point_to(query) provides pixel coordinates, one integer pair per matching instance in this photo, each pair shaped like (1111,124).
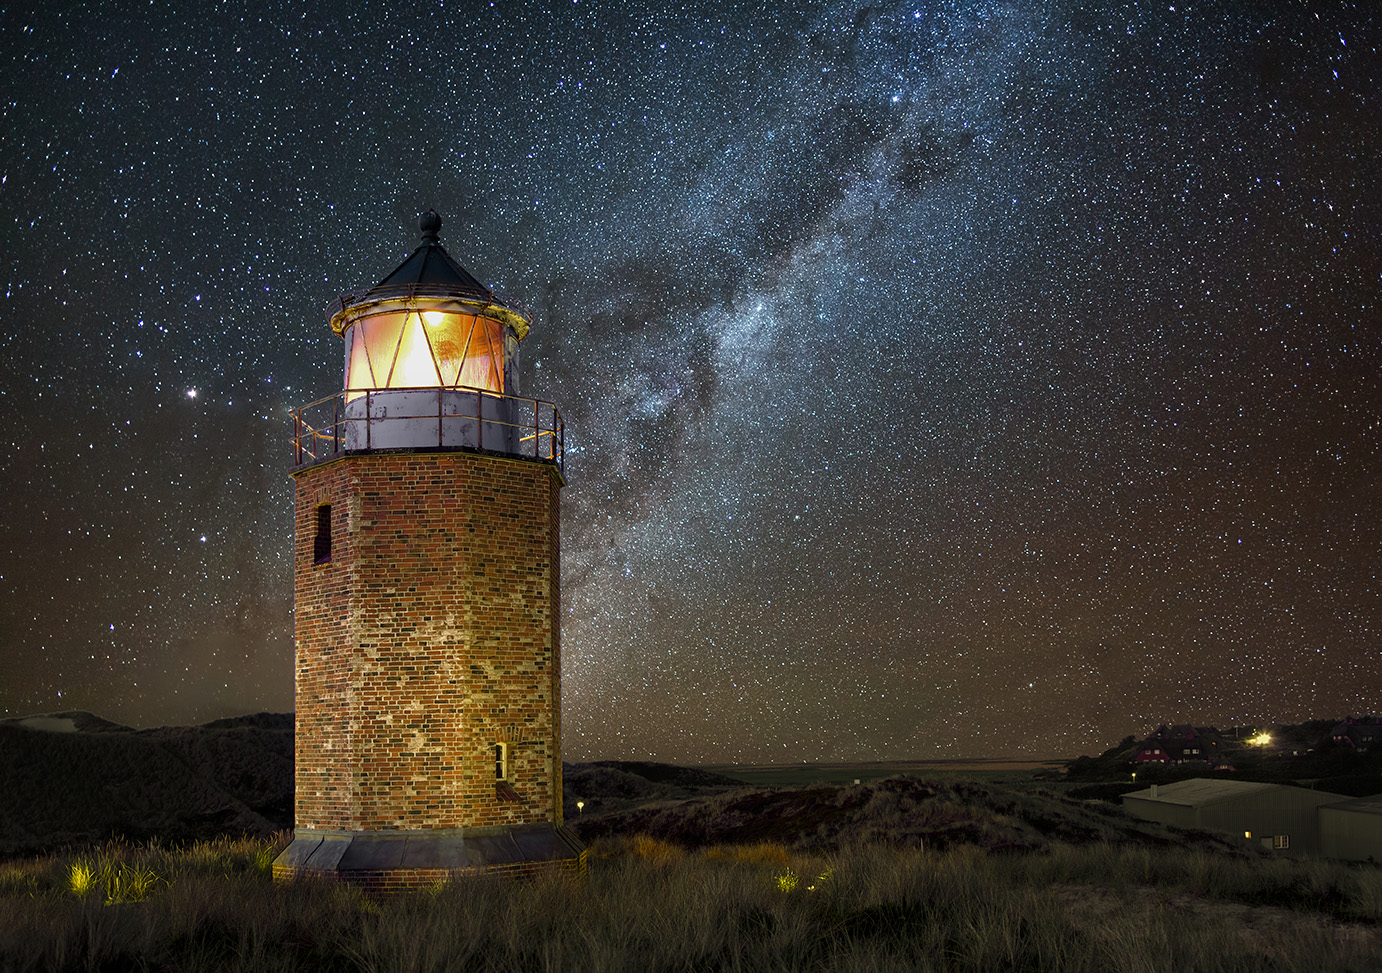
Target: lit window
(1281,842)
(501,761)
(321,545)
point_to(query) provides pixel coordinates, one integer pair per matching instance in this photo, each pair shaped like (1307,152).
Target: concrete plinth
(400,861)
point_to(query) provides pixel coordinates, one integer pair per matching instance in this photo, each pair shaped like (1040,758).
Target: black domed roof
(432,266)
(429,275)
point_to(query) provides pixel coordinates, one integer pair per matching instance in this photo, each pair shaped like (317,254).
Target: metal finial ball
(430,225)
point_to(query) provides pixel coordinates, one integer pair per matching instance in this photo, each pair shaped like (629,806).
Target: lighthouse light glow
(403,348)
(414,366)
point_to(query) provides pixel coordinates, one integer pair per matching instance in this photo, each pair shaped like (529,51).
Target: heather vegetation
(896,812)
(651,904)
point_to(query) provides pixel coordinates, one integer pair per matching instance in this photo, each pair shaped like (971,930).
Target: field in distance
(994,770)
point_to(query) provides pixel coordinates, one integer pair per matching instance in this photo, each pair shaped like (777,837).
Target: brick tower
(426,565)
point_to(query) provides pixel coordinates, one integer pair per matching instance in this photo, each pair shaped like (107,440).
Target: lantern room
(431,361)
(429,324)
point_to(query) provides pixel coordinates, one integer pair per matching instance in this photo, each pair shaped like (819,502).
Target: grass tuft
(787,881)
(82,878)
(654,851)
(130,883)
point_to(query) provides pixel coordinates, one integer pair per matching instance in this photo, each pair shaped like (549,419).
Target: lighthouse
(426,592)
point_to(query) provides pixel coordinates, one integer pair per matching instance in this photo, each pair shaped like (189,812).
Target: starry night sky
(942,379)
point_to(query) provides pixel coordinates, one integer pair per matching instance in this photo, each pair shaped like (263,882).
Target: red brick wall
(431,635)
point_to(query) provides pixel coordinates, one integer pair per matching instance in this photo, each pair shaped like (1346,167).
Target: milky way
(942,380)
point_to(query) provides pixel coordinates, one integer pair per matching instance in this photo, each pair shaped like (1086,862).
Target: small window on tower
(321,546)
(501,761)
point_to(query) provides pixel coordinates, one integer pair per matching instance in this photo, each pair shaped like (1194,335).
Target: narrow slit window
(321,545)
(501,761)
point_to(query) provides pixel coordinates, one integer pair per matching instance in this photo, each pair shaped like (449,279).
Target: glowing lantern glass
(408,348)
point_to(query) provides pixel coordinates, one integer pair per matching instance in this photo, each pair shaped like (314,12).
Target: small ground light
(580,807)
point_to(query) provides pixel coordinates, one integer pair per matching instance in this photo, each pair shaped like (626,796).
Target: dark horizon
(899,762)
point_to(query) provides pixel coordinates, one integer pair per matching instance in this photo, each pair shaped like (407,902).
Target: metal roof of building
(1202,791)
(1361,805)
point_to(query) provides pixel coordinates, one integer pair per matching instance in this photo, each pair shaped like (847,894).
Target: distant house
(1353,829)
(1358,733)
(1152,753)
(1281,818)
(1181,744)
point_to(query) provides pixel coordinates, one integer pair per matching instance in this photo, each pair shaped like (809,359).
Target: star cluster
(942,379)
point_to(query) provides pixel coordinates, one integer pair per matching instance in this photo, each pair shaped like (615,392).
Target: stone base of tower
(402,861)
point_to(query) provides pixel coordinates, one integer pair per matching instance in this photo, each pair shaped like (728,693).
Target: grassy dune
(932,813)
(652,905)
(180,783)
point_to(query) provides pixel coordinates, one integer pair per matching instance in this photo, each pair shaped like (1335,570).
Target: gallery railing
(364,420)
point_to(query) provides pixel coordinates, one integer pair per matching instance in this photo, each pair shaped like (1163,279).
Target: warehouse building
(1281,818)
